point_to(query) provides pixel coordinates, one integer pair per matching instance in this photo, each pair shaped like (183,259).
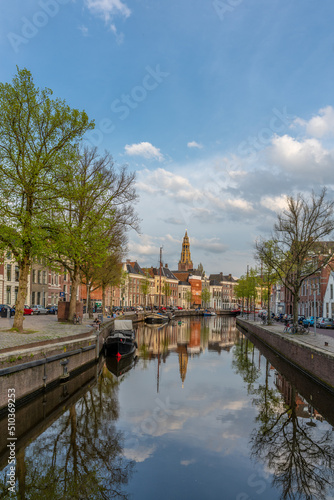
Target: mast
(160,277)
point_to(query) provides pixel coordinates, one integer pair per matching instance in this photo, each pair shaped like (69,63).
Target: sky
(222,107)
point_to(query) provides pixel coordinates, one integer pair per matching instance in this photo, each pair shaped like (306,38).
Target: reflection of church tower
(185,263)
(183,361)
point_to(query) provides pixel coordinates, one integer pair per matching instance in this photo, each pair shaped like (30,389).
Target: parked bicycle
(77,319)
(299,329)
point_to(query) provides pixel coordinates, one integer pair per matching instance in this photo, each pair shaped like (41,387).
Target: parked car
(317,321)
(28,310)
(326,323)
(39,309)
(303,321)
(4,310)
(52,309)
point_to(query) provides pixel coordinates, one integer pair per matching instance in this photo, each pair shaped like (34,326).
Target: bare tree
(297,248)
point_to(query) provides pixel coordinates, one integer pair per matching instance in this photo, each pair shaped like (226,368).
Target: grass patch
(15,330)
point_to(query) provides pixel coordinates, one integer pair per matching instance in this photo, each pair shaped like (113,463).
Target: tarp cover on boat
(123,324)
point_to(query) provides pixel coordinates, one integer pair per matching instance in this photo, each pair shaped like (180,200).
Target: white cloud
(108,8)
(274,203)
(188,462)
(84,30)
(165,182)
(307,157)
(144,149)
(194,144)
(320,125)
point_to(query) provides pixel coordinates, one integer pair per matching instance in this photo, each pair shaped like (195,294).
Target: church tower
(185,264)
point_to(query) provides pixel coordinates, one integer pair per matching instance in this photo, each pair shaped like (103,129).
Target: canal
(201,412)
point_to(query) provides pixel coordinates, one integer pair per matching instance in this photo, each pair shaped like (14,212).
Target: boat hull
(119,345)
(156,321)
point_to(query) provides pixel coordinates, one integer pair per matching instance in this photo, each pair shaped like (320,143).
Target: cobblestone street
(44,328)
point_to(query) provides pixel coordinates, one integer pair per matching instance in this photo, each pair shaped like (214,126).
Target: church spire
(185,263)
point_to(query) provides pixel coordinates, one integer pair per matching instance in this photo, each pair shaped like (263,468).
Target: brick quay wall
(303,351)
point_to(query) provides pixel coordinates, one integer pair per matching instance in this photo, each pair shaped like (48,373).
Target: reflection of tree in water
(243,365)
(299,456)
(80,455)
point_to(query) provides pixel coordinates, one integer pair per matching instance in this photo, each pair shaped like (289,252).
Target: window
(9,272)
(16,292)
(34,276)
(33,298)
(331,291)
(39,277)
(9,255)
(44,277)
(38,298)
(8,295)
(17,273)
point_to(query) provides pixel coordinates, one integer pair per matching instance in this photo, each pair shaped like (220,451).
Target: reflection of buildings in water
(187,337)
(223,334)
(194,345)
(183,361)
(303,408)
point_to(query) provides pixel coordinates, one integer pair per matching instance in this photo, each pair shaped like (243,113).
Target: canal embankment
(50,352)
(311,353)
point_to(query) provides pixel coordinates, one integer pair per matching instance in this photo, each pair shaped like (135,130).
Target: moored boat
(121,341)
(156,318)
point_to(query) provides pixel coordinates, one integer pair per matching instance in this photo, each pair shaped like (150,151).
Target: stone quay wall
(314,361)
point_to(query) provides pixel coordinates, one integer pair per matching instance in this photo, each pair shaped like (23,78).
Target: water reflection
(291,437)
(80,454)
(198,407)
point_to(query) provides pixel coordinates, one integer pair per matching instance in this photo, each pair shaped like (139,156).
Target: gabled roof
(220,277)
(181,275)
(134,268)
(165,272)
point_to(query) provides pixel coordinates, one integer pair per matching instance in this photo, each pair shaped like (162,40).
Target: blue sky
(222,107)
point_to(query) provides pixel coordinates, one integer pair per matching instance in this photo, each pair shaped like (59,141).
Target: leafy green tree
(92,215)
(109,274)
(145,286)
(297,249)
(205,296)
(188,297)
(268,278)
(166,290)
(37,138)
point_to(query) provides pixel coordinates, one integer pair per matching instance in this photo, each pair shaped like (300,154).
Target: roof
(134,268)
(181,275)
(165,272)
(220,277)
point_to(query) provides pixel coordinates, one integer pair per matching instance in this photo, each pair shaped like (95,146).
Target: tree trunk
(89,306)
(73,298)
(103,299)
(295,309)
(22,293)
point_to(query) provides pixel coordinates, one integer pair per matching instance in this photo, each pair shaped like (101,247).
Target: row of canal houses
(184,289)
(173,288)
(316,296)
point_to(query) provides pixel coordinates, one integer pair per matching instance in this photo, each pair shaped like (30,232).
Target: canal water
(201,412)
